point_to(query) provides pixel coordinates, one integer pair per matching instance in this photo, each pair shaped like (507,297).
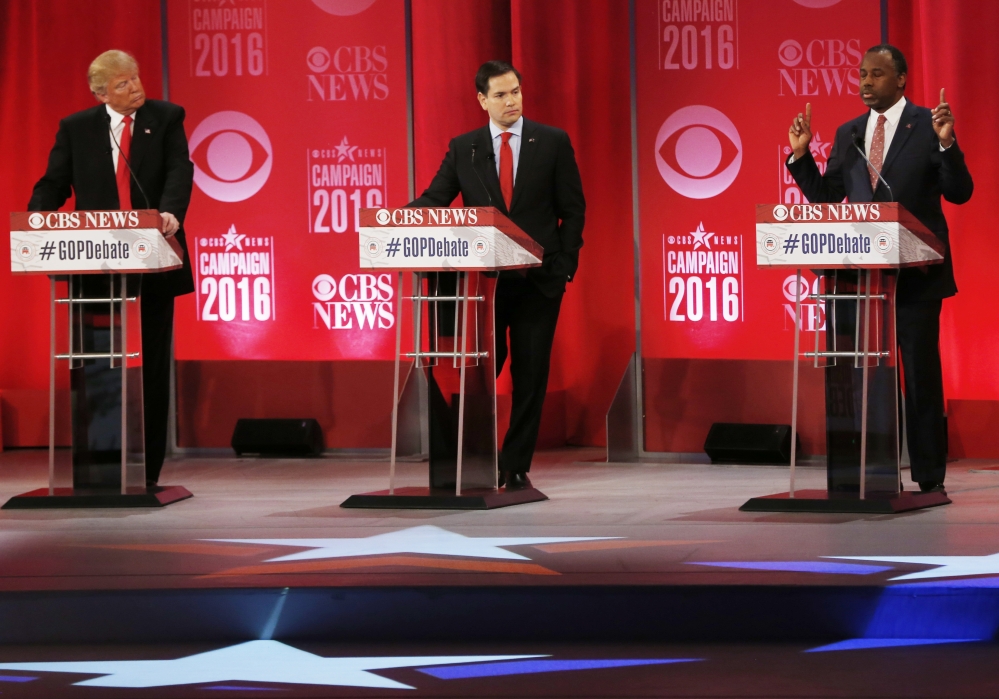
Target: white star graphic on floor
(254,661)
(427,539)
(950,566)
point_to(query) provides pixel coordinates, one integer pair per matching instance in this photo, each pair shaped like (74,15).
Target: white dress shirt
(496,132)
(892,116)
(117,126)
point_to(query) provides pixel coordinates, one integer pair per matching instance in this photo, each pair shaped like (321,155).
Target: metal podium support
(859,356)
(101,341)
(454,349)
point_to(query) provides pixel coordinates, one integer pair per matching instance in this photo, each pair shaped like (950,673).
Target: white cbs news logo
(237,156)
(355,301)
(698,151)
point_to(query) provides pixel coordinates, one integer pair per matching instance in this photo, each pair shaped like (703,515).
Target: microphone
(479,177)
(127,164)
(858,143)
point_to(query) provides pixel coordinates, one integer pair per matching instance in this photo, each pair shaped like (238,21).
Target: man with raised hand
(528,171)
(914,150)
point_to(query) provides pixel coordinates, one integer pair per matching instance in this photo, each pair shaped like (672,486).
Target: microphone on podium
(858,143)
(479,177)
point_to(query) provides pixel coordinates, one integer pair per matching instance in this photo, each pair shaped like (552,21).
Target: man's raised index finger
(942,100)
(808,112)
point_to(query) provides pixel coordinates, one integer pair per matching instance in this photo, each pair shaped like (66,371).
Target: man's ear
(99,97)
(482,101)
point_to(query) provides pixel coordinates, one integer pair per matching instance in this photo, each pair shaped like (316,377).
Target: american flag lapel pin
(148,131)
(530,140)
(908,126)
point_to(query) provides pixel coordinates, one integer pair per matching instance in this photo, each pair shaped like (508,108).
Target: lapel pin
(530,140)
(148,131)
(908,126)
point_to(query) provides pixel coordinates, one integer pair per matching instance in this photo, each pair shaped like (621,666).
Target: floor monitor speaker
(737,443)
(277,437)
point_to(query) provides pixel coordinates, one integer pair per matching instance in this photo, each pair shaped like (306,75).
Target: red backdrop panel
(297,118)
(717,89)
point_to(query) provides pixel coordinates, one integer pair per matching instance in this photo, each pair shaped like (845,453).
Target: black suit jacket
(919,175)
(547,201)
(81,162)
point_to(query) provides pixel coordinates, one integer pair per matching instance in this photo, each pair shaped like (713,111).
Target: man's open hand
(800,133)
(943,122)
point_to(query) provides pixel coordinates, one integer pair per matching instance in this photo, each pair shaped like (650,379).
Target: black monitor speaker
(737,443)
(277,437)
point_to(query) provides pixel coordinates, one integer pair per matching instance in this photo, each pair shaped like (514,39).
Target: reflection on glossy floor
(267,523)
(501,670)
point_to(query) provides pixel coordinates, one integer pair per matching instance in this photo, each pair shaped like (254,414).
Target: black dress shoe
(514,480)
(932,487)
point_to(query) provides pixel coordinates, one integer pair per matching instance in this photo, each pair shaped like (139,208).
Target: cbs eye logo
(345,8)
(232,156)
(790,53)
(698,151)
(318,59)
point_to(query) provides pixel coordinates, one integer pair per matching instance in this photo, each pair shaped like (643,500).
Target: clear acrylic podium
(455,255)
(856,249)
(93,260)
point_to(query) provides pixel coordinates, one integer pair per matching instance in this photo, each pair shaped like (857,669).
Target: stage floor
(277,523)
(633,580)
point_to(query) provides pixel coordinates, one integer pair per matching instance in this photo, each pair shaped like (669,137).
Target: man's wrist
(799,153)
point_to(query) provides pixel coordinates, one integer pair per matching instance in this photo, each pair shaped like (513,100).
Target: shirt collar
(116,118)
(893,114)
(517,129)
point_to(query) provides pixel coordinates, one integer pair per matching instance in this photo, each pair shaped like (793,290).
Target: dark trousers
(917,327)
(157,333)
(530,317)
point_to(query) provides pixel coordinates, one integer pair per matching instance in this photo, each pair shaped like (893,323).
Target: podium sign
(843,236)
(471,239)
(90,242)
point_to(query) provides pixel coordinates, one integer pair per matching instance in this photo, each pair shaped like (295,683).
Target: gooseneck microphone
(858,143)
(479,177)
(127,164)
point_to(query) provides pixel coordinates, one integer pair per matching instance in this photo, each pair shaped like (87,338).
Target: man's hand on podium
(170,224)
(943,122)
(800,133)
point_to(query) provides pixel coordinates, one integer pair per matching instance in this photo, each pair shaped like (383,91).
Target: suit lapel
(142,135)
(528,149)
(902,132)
(486,167)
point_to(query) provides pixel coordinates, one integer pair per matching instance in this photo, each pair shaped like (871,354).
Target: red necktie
(121,174)
(506,168)
(877,156)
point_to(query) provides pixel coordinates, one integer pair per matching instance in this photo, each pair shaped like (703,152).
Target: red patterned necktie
(877,151)
(121,174)
(506,168)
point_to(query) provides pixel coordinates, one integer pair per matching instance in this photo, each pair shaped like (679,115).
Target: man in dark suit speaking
(87,161)
(528,171)
(916,152)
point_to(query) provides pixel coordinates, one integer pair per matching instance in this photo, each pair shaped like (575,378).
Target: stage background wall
(574,56)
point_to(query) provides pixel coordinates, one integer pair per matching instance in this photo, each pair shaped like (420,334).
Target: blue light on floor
(868,643)
(799,566)
(16,678)
(234,688)
(530,667)
(962,582)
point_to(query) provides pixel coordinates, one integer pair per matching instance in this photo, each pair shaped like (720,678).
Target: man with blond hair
(155,173)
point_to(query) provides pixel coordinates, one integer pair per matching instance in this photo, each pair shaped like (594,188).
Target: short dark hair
(901,67)
(492,69)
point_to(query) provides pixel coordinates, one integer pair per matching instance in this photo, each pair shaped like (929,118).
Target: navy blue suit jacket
(547,201)
(918,173)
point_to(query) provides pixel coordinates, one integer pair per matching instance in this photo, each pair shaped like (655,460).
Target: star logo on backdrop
(345,151)
(233,239)
(701,237)
(426,539)
(254,661)
(949,566)
(819,148)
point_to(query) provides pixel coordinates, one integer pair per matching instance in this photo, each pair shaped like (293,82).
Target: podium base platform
(824,501)
(69,498)
(427,499)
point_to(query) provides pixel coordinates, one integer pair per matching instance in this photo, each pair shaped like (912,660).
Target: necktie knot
(127,120)
(506,136)
(882,119)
